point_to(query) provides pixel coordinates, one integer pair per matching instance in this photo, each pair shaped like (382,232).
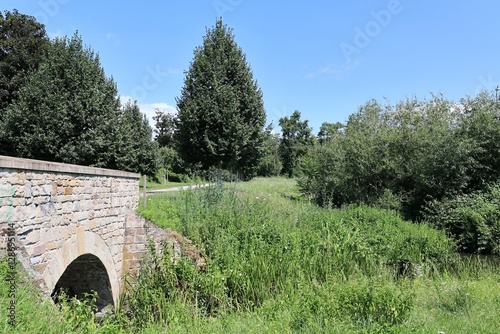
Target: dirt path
(156,191)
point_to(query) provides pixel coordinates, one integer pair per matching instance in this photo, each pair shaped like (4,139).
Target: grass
(278,264)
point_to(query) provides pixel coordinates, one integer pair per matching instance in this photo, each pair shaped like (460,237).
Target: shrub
(472,219)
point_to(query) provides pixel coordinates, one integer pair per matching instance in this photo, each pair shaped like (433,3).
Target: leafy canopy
(221,113)
(67,110)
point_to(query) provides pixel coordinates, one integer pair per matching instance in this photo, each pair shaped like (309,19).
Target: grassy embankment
(278,264)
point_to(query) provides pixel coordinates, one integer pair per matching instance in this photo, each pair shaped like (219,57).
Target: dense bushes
(401,157)
(472,219)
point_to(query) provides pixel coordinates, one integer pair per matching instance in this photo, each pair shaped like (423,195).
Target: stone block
(67,207)
(51,246)
(24,213)
(41,200)
(28,192)
(36,260)
(80,216)
(38,250)
(46,189)
(33,237)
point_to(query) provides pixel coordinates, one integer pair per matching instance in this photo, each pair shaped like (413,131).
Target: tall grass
(261,246)
(277,264)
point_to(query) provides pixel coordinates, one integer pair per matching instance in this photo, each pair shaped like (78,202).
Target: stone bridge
(76,226)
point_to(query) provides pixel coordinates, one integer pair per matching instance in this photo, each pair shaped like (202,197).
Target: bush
(398,156)
(472,219)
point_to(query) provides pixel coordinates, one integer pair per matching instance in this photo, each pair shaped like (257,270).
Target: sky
(322,58)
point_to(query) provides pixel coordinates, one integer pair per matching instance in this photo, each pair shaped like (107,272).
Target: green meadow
(275,263)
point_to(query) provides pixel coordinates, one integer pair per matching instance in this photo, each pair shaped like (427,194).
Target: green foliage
(164,128)
(296,140)
(275,263)
(329,131)
(135,151)
(482,126)
(409,153)
(379,305)
(261,247)
(270,163)
(221,113)
(23,45)
(170,163)
(55,119)
(472,219)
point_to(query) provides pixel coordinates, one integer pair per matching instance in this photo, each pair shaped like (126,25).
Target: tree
(328,131)
(482,125)
(270,163)
(296,139)
(164,128)
(394,157)
(135,150)
(23,45)
(221,113)
(67,111)
(169,161)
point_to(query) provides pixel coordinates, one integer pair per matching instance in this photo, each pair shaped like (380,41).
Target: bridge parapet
(63,211)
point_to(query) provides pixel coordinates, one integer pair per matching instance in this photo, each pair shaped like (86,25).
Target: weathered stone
(65,213)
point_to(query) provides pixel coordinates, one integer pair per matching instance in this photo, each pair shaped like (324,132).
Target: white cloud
(149,108)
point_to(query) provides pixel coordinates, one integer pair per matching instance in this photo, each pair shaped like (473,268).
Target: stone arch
(84,247)
(84,275)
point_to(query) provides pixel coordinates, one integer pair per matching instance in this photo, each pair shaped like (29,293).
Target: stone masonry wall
(63,211)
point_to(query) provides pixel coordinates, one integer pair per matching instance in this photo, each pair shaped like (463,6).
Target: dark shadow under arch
(84,275)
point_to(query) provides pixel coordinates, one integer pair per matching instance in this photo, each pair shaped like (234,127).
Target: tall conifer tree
(221,114)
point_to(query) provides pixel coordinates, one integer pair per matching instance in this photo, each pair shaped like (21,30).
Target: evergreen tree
(67,111)
(221,113)
(135,150)
(296,140)
(23,45)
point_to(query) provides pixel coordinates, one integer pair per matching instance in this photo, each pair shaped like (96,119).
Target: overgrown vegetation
(406,156)
(363,248)
(276,263)
(472,219)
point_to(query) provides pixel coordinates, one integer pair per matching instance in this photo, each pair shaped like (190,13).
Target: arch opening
(84,275)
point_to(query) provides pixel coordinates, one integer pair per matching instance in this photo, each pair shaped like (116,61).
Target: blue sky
(323,58)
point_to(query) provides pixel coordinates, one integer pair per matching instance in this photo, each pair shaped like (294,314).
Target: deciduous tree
(23,45)
(296,139)
(67,111)
(164,128)
(221,113)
